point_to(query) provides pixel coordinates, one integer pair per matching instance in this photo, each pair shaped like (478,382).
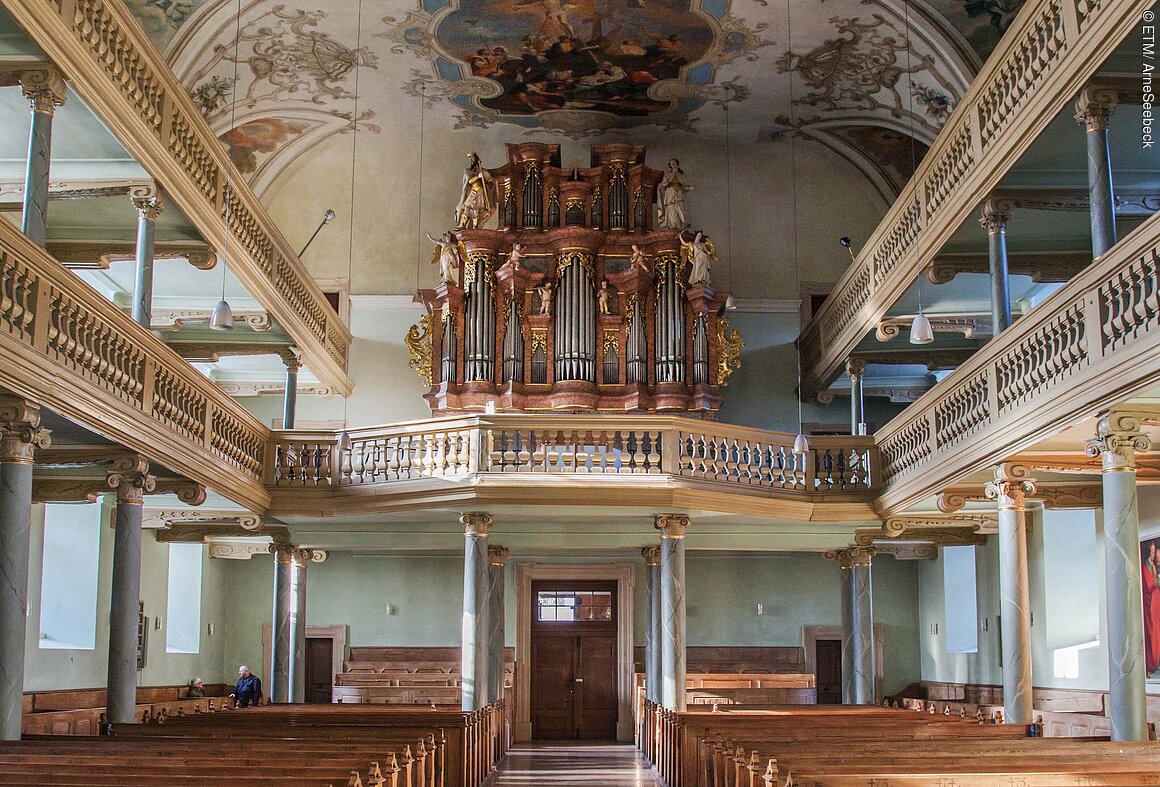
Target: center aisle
(604,764)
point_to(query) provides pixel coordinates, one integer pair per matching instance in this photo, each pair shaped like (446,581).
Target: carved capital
(44,88)
(1119,435)
(283,552)
(855,367)
(652,555)
(476,523)
(672,526)
(129,476)
(20,431)
(1095,106)
(1011,486)
(497,556)
(301,557)
(852,556)
(291,360)
(147,201)
(189,492)
(995,216)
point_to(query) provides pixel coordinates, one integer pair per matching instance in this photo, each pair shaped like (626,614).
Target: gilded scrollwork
(419,345)
(729,347)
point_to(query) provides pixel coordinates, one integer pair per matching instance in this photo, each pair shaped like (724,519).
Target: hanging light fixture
(921,331)
(801,443)
(222,317)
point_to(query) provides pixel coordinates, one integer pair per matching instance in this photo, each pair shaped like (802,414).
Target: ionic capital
(20,431)
(291,360)
(44,88)
(476,523)
(672,526)
(996,214)
(1095,106)
(301,556)
(283,552)
(851,557)
(1119,435)
(1011,486)
(497,556)
(652,555)
(129,476)
(855,367)
(147,200)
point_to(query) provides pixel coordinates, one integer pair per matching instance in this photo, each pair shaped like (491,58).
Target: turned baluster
(392,773)
(406,766)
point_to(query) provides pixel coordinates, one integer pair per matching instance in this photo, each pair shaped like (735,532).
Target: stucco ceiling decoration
(579,67)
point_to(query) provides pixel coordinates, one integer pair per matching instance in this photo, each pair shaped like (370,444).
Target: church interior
(690,393)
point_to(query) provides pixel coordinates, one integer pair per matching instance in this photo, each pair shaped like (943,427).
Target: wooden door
(319,669)
(574,657)
(828,671)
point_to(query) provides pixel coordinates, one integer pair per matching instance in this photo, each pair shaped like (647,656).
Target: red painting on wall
(1150,581)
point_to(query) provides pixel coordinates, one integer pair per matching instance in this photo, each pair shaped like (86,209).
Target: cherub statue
(671,198)
(639,259)
(446,256)
(700,250)
(545,293)
(477,197)
(602,297)
(515,255)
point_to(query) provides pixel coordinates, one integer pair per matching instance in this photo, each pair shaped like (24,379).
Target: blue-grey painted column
(45,91)
(20,435)
(290,397)
(1093,110)
(847,599)
(1118,439)
(1010,488)
(856,368)
(130,477)
(473,647)
(300,560)
(148,203)
(278,683)
(994,221)
(673,682)
(496,609)
(652,626)
(862,638)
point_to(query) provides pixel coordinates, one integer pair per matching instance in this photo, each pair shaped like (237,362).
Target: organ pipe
(479,348)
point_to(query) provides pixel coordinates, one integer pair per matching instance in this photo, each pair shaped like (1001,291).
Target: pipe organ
(575,303)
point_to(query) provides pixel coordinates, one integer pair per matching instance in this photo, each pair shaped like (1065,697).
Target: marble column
(652,626)
(862,629)
(300,561)
(473,647)
(1010,488)
(20,435)
(847,604)
(290,397)
(281,643)
(1093,110)
(496,576)
(1119,437)
(994,221)
(856,368)
(130,477)
(148,204)
(672,684)
(44,88)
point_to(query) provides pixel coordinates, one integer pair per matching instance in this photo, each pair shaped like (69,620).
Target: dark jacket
(249,688)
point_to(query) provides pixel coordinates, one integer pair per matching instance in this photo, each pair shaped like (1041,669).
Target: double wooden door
(574,656)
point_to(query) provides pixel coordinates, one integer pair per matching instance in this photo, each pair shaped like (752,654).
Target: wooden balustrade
(1093,343)
(110,62)
(66,347)
(1048,54)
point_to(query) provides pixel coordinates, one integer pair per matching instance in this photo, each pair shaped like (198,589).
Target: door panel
(319,669)
(828,671)
(597,690)
(553,700)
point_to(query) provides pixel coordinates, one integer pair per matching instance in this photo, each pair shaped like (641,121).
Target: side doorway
(828,671)
(319,669)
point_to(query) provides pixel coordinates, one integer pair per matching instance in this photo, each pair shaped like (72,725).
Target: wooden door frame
(336,634)
(624,574)
(811,635)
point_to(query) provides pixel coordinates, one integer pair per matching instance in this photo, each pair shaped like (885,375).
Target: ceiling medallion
(579,67)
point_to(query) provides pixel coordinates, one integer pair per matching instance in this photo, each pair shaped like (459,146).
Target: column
(1092,110)
(652,626)
(300,560)
(672,684)
(847,599)
(45,91)
(855,368)
(1118,439)
(20,435)
(473,648)
(994,221)
(862,626)
(130,477)
(148,204)
(496,562)
(1010,488)
(278,681)
(290,398)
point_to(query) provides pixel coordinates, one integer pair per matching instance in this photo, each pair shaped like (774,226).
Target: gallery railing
(1048,54)
(66,347)
(1093,343)
(111,63)
(728,457)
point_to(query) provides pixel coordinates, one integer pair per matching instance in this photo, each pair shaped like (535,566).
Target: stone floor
(592,764)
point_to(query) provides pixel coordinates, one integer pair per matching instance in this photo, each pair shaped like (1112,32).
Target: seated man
(196,688)
(249,688)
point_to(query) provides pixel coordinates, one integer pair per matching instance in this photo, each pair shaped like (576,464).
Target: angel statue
(639,259)
(545,293)
(447,256)
(700,250)
(477,199)
(515,255)
(671,198)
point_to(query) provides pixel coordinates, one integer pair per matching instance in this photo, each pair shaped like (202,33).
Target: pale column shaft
(994,221)
(148,205)
(847,598)
(44,88)
(497,574)
(856,369)
(297,666)
(862,605)
(1093,111)
(652,628)
(1118,439)
(20,435)
(474,643)
(290,397)
(1010,487)
(673,681)
(130,477)
(278,681)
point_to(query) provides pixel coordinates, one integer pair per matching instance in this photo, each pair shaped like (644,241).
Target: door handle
(579,680)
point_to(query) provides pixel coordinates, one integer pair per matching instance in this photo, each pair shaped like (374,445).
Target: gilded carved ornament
(729,347)
(478,259)
(420,345)
(651,555)
(672,526)
(497,556)
(851,557)
(476,523)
